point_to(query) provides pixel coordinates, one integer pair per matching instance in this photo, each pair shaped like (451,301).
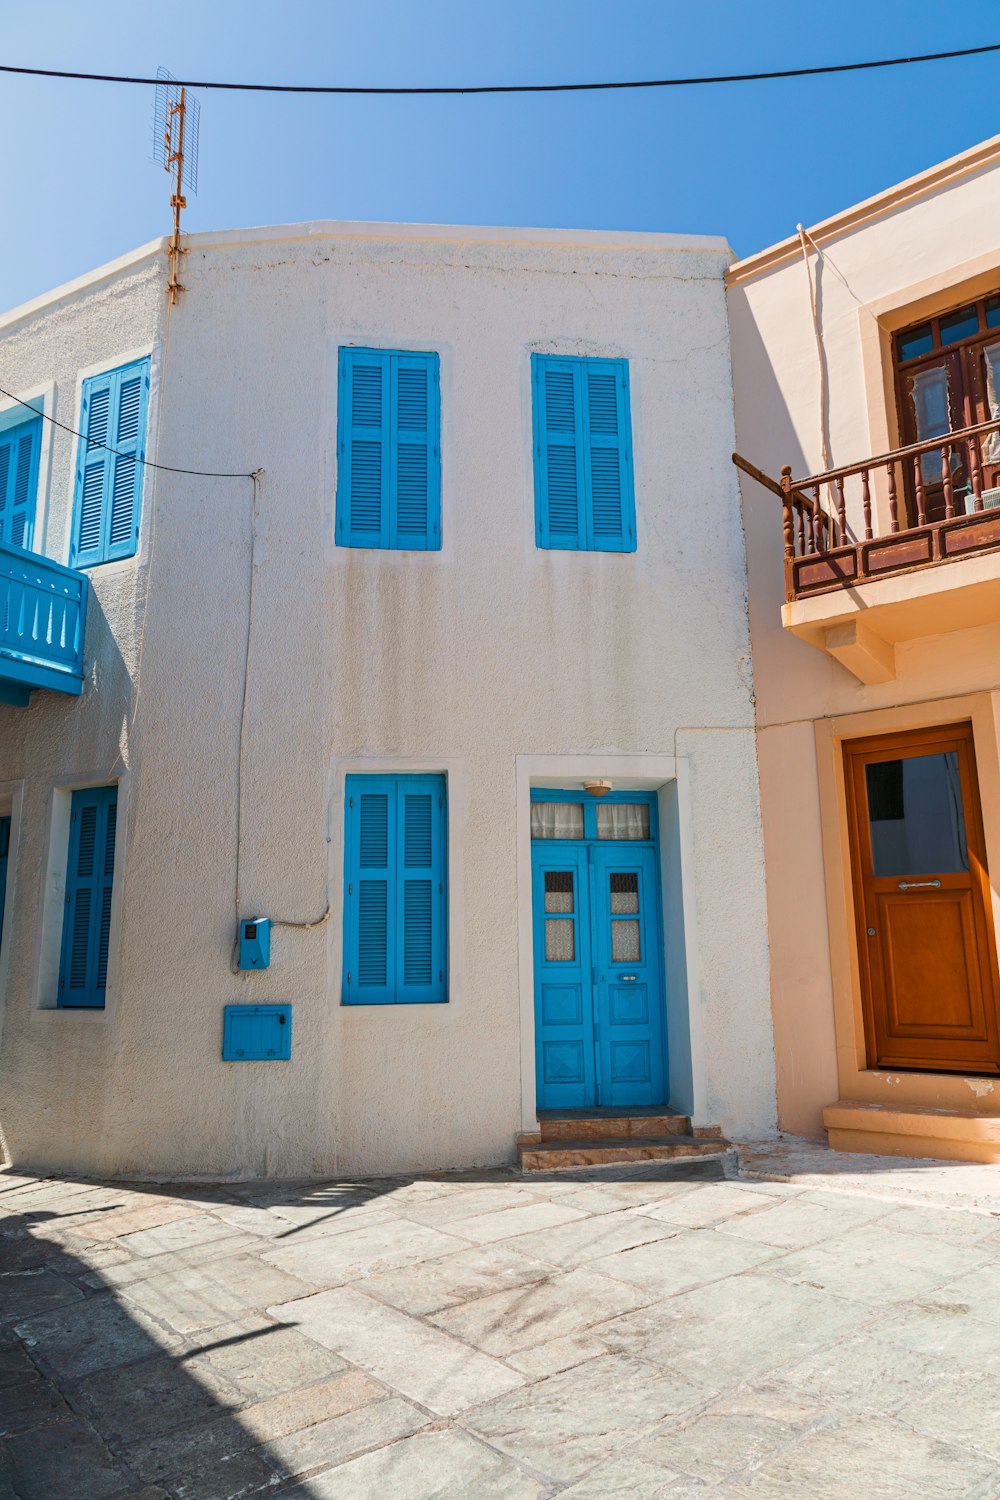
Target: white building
(494,547)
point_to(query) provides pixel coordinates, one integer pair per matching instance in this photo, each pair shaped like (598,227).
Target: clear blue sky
(743,160)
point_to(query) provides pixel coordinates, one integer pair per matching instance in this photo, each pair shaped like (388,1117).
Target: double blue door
(599,1001)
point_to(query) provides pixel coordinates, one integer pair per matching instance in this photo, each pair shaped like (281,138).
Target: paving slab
(734,1330)
(563,1426)
(62,1458)
(423,1363)
(429,1286)
(260,1358)
(329,1260)
(94,1335)
(686,1259)
(429,1466)
(516,1319)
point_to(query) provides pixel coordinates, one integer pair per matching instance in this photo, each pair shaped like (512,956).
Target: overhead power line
(146,462)
(512,88)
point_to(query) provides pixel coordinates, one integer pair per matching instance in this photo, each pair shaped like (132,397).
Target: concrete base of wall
(937,1134)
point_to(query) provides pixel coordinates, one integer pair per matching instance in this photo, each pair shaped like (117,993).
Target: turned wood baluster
(800,514)
(821,520)
(976,474)
(918,485)
(893,503)
(866,500)
(949,489)
(787,517)
(841,514)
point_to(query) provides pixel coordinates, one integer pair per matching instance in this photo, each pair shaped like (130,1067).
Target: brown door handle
(911,885)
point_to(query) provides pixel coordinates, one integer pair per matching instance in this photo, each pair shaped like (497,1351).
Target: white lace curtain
(557,820)
(622,820)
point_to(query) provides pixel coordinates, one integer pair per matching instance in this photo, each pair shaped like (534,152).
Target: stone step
(585,1127)
(544,1156)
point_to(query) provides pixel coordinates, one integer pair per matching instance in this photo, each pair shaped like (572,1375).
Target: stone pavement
(656,1334)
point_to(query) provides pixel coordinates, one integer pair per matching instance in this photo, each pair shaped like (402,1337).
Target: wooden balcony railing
(942,499)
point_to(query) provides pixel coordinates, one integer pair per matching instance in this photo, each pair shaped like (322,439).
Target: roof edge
(82,283)
(596,239)
(889,199)
(623,239)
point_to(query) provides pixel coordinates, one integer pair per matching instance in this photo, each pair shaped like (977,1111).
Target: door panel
(628,986)
(922,902)
(564,1018)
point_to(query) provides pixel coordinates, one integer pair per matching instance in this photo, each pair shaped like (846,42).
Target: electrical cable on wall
(805,241)
(515,88)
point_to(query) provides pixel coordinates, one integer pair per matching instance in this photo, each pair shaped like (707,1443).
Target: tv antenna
(176,120)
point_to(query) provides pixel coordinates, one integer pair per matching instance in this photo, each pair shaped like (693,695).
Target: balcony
(43,609)
(893,548)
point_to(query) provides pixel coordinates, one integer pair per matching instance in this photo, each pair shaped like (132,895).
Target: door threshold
(608,1112)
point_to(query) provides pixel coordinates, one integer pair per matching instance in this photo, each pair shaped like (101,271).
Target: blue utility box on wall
(257,1033)
(255,943)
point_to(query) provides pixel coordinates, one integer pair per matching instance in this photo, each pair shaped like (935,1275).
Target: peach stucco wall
(916,251)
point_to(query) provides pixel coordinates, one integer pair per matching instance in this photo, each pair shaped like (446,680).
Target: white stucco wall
(465,660)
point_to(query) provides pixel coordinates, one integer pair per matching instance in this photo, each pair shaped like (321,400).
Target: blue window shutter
(388,450)
(19,450)
(109,483)
(421,906)
(558,421)
(363,448)
(83,971)
(607,441)
(395,905)
(415,484)
(584,495)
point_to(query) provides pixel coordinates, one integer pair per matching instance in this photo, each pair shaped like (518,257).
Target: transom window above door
(577,815)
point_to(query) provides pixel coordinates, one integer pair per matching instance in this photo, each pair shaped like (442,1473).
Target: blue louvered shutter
(4,853)
(83,971)
(371,890)
(584,495)
(19,450)
(395,904)
(109,475)
(559,486)
(420,916)
(415,485)
(363,449)
(388,447)
(607,444)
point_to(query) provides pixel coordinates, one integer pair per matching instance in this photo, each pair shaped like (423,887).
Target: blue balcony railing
(43,610)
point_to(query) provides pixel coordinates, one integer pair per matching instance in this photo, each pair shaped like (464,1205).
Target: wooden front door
(922,903)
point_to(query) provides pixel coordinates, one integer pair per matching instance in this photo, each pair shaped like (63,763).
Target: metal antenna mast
(176,121)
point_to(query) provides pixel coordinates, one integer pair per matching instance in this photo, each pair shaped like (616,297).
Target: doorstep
(914,1131)
(614,1137)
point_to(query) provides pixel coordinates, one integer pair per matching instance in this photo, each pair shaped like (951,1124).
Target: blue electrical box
(255,943)
(257,1033)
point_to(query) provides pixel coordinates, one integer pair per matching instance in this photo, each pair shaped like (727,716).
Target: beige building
(866,359)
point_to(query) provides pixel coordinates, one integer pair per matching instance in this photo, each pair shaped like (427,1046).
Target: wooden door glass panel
(916,816)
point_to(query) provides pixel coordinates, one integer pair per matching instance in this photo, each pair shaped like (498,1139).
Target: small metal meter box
(255,943)
(257,1033)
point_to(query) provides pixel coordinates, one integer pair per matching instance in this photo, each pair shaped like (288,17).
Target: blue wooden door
(564,1011)
(628,985)
(599,998)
